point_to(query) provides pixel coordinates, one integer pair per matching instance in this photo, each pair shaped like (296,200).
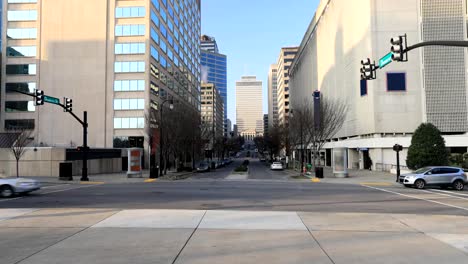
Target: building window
(24,51)
(129,104)
(19,106)
(22,15)
(129,66)
(129,123)
(396,81)
(22,33)
(163,30)
(129,85)
(21,1)
(154,18)
(154,35)
(156,4)
(154,53)
(127,12)
(22,87)
(21,69)
(130,48)
(19,124)
(363,87)
(129,30)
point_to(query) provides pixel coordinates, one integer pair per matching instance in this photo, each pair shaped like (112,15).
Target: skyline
(254,47)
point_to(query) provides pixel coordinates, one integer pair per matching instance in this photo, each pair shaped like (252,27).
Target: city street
(267,217)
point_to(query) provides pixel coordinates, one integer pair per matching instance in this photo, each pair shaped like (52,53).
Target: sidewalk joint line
(190,237)
(315,239)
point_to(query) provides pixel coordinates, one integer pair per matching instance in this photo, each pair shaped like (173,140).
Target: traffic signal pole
(68,108)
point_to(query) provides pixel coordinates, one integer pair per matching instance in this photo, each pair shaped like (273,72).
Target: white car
(276,166)
(12,186)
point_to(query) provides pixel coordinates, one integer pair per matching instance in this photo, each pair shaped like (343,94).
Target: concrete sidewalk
(112,178)
(104,236)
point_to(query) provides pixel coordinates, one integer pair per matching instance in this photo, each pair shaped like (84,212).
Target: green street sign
(51,100)
(385,60)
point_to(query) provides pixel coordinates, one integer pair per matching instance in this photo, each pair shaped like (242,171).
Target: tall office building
(229,127)
(285,60)
(272,96)
(214,69)
(212,110)
(431,87)
(249,107)
(265,125)
(116,62)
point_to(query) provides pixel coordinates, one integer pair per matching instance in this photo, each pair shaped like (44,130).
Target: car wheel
(458,185)
(419,184)
(6,191)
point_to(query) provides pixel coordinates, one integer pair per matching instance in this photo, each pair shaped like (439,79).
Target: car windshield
(277,163)
(421,170)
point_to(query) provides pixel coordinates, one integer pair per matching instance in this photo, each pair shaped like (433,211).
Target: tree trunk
(17,168)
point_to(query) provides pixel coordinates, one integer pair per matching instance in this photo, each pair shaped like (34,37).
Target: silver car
(435,176)
(11,186)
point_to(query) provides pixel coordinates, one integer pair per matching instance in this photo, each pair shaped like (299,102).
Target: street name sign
(51,100)
(385,60)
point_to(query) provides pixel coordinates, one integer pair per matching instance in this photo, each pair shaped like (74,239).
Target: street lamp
(161,137)
(291,113)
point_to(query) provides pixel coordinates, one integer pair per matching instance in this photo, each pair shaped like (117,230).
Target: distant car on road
(203,167)
(435,176)
(276,166)
(262,159)
(11,186)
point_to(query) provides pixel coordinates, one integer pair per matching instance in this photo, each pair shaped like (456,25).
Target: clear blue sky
(251,34)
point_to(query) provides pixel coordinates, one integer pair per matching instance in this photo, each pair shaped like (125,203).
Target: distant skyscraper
(209,44)
(229,128)
(249,107)
(272,96)
(285,60)
(265,125)
(214,67)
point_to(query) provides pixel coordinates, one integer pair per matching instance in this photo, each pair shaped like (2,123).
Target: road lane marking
(454,193)
(150,180)
(86,186)
(445,194)
(418,198)
(376,183)
(91,183)
(315,180)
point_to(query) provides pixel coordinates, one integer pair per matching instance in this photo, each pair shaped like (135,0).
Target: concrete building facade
(272,96)
(116,62)
(431,87)
(212,109)
(285,60)
(249,113)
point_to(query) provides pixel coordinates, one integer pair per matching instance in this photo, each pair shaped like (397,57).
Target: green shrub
(456,160)
(241,168)
(427,148)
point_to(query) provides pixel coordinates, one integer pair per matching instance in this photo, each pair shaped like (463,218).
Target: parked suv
(435,176)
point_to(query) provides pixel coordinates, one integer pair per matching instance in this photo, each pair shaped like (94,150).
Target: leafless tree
(301,128)
(19,140)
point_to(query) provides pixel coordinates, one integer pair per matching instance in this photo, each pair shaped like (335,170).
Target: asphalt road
(269,194)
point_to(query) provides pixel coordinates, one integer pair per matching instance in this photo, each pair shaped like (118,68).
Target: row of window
(19,106)
(23,51)
(21,1)
(129,122)
(129,85)
(129,104)
(129,66)
(131,11)
(21,69)
(19,124)
(396,82)
(130,48)
(22,15)
(22,87)
(130,30)
(22,33)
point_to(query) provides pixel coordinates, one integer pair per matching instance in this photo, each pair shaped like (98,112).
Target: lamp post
(161,138)
(397,148)
(302,141)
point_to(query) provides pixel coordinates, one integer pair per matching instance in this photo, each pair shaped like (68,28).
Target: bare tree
(301,128)
(332,117)
(18,140)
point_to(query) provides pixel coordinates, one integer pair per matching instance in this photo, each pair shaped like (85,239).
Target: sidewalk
(105,236)
(111,178)
(358,177)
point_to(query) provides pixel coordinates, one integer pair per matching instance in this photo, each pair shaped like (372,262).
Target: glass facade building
(215,65)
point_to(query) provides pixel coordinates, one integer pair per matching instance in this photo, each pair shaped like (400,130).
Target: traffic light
(399,48)
(368,70)
(68,105)
(39,96)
